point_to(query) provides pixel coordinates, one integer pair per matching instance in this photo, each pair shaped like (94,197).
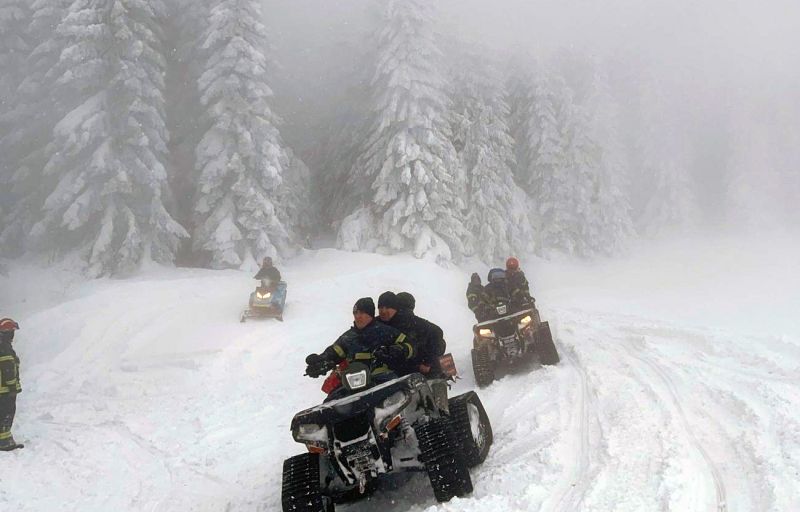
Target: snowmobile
(510,339)
(266,301)
(372,430)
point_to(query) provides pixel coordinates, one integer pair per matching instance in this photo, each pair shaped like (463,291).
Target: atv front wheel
(545,348)
(482,367)
(301,485)
(471,423)
(444,461)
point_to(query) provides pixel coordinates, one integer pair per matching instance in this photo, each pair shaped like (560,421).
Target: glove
(390,355)
(315,365)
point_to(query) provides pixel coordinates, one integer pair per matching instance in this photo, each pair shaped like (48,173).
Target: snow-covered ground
(679,387)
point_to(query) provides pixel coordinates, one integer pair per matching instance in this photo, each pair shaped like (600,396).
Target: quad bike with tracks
(509,340)
(372,430)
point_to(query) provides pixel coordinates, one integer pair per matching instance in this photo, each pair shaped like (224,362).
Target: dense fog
(213,133)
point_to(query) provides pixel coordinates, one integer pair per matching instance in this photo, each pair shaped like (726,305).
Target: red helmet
(7,324)
(512,263)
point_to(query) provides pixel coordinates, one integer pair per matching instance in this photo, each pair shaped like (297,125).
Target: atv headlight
(357,380)
(525,322)
(312,432)
(485,333)
(265,296)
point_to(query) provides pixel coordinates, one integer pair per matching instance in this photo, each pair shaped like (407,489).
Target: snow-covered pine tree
(559,163)
(612,204)
(14,49)
(241,212)
(30,122)
(109,150)
(664,161)
(497,214)
(407,173)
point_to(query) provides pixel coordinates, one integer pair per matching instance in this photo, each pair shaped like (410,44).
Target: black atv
(510,339)
(405,424)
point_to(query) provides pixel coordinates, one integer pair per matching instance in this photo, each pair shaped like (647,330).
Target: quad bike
(404,424)
(508,340)
(266,301)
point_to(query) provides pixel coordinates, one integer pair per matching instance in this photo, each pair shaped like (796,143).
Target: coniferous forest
(216,132)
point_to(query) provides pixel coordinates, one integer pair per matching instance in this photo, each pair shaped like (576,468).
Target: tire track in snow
(576,484)
(719,485)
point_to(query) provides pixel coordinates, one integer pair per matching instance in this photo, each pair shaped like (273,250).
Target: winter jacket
(476,296)
(270,273)
(426,337)
(360,344)
(9,370)
(518,290)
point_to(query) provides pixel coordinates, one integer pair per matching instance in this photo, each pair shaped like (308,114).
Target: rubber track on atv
(444,462)
(482,367)
(300,491)
(459,418)
(545,348)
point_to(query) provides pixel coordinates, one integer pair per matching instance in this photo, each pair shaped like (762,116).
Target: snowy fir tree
(407,172)
(612,218)
(497,214)
(14,49)
(664,161)
(242,212)
(559,164)
(28,124)
(109,151)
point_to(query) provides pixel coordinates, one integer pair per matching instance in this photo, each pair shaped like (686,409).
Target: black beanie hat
(406,301)
(388,300)
(365,305)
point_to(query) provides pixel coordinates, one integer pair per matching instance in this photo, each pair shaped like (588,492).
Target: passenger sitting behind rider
(425,337)
(367,341)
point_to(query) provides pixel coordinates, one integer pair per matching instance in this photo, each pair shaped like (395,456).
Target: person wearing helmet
(518,287)
(9,384)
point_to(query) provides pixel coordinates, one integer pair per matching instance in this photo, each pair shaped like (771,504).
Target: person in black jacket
(9,384)
(426,337)
(269,275)
(384,347)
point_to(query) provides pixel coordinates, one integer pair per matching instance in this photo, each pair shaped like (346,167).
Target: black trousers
(8,408)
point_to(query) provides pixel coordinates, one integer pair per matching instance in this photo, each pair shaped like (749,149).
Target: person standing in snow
(9,384)
(269,275)
(426,337)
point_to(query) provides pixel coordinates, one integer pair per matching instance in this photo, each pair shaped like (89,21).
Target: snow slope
(678,388)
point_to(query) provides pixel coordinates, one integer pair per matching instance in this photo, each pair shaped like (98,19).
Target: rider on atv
(368,341)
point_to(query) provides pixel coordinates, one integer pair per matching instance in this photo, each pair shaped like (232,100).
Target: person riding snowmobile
(269,275)
(367,340)
(426,337)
